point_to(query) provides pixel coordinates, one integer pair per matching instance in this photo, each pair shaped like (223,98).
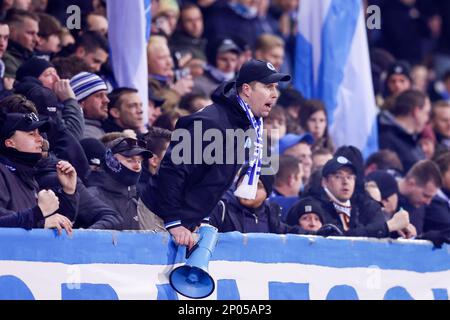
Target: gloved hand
(329,230)
(438,237)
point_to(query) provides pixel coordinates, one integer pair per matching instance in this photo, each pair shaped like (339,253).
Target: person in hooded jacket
(117,186)
(22,203)
(38,80)
(185,192)
(223,57)
(399,129)
(54,99)
(251,216)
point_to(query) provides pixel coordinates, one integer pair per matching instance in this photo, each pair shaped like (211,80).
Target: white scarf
(342,207)
(249,186)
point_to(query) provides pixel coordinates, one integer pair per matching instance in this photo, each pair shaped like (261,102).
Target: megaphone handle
(195,246)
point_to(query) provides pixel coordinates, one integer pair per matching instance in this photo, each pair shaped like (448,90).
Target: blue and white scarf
(249,186)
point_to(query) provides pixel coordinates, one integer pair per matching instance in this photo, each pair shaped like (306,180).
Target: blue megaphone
(193,280)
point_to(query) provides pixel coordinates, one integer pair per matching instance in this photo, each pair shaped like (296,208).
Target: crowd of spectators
(76,151)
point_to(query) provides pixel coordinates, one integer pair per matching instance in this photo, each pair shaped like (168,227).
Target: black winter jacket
(93,213)
(393,137)
(437,214)
(121,198)
(416,214)
(110,126)
(229,215)
(18,194)
(184,194)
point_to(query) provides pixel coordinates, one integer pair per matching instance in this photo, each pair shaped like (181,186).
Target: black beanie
(33,67)
(302,207)
(399,67)
(95,150)
(266,179)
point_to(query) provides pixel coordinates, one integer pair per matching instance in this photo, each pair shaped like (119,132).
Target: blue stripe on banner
(337,36)
(148,18)
(372,141)
(86,247)
(342,292)
(304,73)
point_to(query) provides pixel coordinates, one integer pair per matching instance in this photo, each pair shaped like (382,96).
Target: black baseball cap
(261,71)
(130,147)
(10,122)
(335,164)
(228,45)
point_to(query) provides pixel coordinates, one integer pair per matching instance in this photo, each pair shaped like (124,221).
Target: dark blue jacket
(184,194)
(25,219)
(437,214)
(18,195)
(393,137)
(93,213)
(121,198)
(222,21)
(416,215)
(229,215)
(110,126)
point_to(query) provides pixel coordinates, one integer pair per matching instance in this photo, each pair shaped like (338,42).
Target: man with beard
(92,95)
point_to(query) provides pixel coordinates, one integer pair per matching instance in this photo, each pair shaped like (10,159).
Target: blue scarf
(249,186)
(243,11)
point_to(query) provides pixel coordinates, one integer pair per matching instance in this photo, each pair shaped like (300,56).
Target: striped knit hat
(84,84)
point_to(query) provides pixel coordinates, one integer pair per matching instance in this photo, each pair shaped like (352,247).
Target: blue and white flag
(128,32)
(333,65)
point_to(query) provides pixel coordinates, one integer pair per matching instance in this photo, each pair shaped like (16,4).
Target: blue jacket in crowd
(437,214)
(92,212)
(18,196)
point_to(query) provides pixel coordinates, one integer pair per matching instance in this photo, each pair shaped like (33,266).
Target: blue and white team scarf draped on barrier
(249,185)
